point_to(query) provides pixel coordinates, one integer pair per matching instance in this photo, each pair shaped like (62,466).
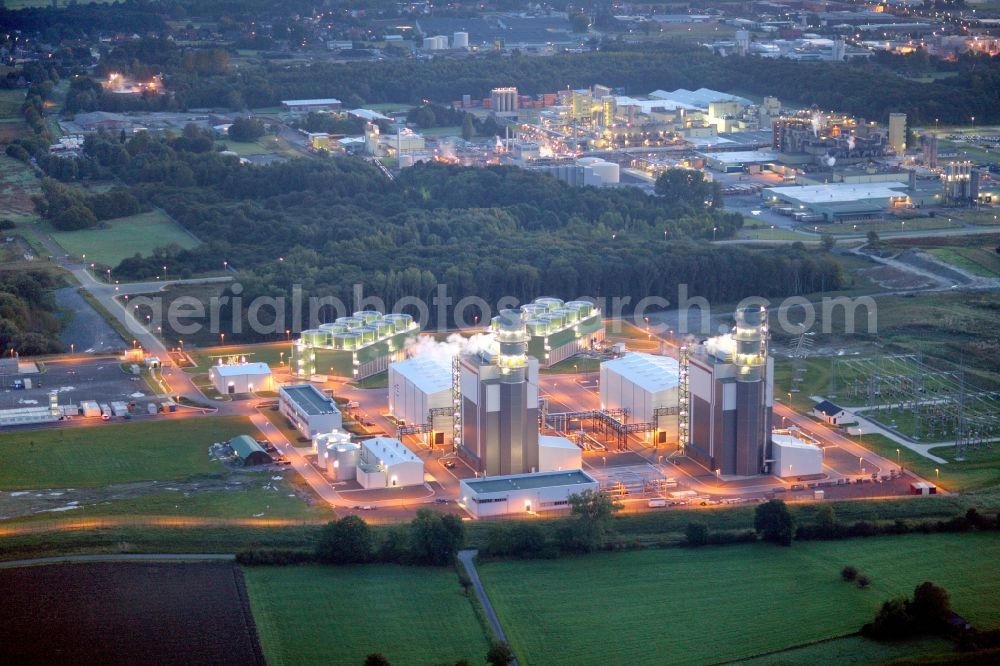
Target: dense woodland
(328,224)
(28,323)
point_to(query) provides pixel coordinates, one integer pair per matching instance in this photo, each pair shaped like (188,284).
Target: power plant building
(499,402)
(647,386)
(730,379)
(308,409)
(241,378)
(793,456)
(558,330)
(356,347)
(523,493)
(385,462)
(420,391)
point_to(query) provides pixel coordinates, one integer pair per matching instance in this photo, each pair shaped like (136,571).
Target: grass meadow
(339,615)
(684,606)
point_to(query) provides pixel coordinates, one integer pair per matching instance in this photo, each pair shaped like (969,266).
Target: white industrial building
(793,456)
(309,410)
(557,454)
(387,463)
(241,378)
(523,493)
(646,385)
(417,386)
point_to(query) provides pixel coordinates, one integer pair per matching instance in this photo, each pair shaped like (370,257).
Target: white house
(832,414)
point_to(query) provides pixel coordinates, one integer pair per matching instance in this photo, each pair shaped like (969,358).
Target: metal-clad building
(249,451)
(418,385)
(523,493)
(646,385)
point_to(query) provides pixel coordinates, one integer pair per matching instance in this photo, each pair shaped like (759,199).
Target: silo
(533,309)
(348,340)
(557,320)
(460,40)
(342,461)
(332,328)
(340,340)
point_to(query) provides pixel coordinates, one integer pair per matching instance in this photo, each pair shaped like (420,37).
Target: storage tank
(608,171)
(460,40)
(549,303)
(342,461)
(351,322)
(537,327)
(583,308)
(400,321)
(557,320)
(367,316)
(314,337)
(533,309)
(405,161)
(322,443)
(588,161)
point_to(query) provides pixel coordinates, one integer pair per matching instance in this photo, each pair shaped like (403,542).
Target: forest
(327,224)
(28,321)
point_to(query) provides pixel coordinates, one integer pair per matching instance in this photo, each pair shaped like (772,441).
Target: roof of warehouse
(242,369)
(310,400)
(430,374)
(500,484)
(389,450)
(839,192)
(699,98)
(650,372)
(310,102)
(743,156)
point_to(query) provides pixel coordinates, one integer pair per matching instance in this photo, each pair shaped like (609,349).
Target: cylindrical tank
(512,337)
(368,316)
(400,321)
(537,327)
(342,461)
(332,328)
(314,338)
(588,161)
(460,40)
(533,309)
(569,315)
(351,322)
(608,171)
(367,334)
(549,303)
(584,308)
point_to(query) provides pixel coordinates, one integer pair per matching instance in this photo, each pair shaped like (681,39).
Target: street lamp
(937,474)
(897,459)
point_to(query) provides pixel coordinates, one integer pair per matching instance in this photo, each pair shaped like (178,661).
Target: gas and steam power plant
(730,391)
(356,347)
(499,402)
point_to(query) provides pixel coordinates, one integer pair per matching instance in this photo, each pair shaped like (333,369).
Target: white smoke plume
(850,142)
(445,350)
(817,123)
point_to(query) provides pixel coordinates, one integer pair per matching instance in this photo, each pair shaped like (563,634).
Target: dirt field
(126,613)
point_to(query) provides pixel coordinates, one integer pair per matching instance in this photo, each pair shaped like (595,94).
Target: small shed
(832,414)
(249,451)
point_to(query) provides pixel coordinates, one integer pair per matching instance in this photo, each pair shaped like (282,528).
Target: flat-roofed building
(309,410)
(557,454)
(523,493)
(646,385)
(793,456)
(387,463)
(307,105)
(241,378)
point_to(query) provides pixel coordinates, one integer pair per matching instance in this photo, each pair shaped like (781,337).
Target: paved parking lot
(100,379)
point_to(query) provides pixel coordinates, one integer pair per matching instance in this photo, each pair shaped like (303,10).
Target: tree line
(29,324)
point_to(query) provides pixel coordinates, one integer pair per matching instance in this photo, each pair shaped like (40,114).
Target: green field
(775,233)
(971,260)
(980,469)
(574,364)
(102,454)
(717,604)
(339,615)
(888,227)
(124,237)
(855,650)
(246,148)
(978,217)
(272,353)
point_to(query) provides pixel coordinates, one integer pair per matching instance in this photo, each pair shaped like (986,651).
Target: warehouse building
(385,462)
(307,105)
(309,410)
(842,202)
(420,392)
(557,454)
(241,378)
(356,347)
(793,454)
(523,493)
(647,386)
(249,451)
(730,380)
